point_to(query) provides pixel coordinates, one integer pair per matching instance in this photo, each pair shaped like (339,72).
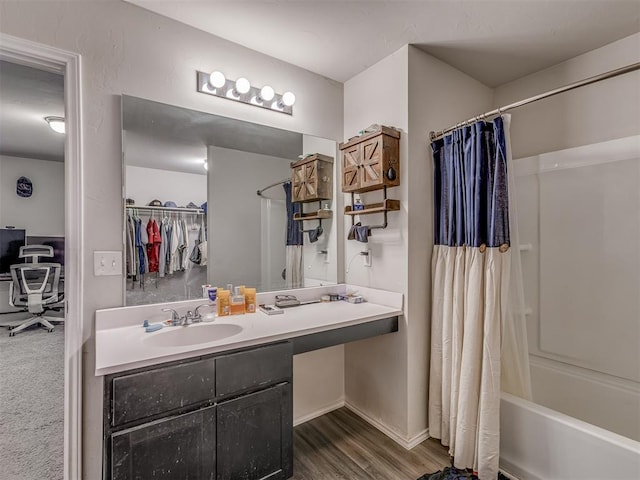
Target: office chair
(34,287)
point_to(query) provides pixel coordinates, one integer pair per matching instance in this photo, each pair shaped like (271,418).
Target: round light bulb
(242,85)
(288,98)
(217,80)
(56,124)
(267,93)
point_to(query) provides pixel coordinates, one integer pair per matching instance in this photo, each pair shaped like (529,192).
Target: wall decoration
(24,187)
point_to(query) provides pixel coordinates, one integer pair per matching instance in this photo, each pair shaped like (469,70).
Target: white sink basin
(192,334)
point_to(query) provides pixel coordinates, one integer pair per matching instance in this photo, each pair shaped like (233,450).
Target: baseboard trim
(319,413)
(508,468)
(407,443)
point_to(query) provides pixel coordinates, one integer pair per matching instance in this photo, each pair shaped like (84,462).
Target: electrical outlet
(107,263)
(366,258)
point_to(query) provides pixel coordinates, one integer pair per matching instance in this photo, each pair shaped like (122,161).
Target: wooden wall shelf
(317,215)
(388,205)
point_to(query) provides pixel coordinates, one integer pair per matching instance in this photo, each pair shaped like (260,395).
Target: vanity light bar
(242,91)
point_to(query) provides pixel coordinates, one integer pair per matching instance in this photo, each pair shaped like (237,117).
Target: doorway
(22,53)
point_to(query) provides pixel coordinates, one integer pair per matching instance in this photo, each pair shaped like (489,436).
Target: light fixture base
(251,97)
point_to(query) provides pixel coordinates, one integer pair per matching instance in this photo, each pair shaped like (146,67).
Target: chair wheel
(12,334)
(50,330)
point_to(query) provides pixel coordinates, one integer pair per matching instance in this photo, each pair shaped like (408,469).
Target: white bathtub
(537,443)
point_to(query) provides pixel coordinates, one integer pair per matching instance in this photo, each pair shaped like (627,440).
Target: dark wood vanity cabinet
(181,446)
(218,417)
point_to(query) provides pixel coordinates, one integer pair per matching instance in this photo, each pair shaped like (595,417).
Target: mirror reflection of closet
(32,328)
(199,174)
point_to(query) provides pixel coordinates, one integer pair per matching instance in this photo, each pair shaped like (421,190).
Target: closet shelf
(165,209)
(388,205)
(317,215)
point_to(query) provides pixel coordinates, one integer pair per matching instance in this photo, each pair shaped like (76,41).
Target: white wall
(439,96)
(387,378)
(126,49)
(146,184)
(43,212)
(376,369)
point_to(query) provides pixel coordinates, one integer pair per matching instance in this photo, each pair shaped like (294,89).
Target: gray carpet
(31,403)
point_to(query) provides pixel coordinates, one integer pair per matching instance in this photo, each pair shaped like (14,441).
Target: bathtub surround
(572,287)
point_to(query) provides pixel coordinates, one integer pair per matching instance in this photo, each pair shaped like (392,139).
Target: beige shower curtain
(475,323)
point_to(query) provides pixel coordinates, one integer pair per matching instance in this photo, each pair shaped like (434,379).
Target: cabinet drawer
(254,368)
(149,393)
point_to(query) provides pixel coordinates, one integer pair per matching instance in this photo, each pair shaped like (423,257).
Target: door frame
(44,57)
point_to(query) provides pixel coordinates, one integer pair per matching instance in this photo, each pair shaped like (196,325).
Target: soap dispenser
(237,302)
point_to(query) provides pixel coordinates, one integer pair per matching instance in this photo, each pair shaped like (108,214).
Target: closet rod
(165,209)
(587,81)
(259,192)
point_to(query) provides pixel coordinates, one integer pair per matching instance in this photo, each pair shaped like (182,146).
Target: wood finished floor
(340,445)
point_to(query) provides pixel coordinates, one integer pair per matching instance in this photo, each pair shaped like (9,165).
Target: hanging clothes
(153,246)
(175,245)
(162,260)
(130,248)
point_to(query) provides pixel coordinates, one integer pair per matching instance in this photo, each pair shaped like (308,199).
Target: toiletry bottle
(212,295)
(237,302)
(250,300)
(224,308)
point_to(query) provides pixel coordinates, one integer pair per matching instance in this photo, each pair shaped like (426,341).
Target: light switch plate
(107,263)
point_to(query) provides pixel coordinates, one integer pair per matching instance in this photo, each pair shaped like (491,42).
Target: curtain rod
(259,192)
(550,93)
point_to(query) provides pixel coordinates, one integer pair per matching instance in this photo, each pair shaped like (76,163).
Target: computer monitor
(57,243)
(11,239)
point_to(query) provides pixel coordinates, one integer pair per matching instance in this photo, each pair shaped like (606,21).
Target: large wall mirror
(206,203)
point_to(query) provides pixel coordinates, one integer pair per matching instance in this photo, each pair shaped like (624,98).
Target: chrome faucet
(175,318)
(189,317)
(196,315)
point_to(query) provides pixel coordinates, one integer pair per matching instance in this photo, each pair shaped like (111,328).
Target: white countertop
(122,344)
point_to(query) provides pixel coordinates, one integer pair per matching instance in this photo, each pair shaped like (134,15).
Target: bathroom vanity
(214,400)
(202,418)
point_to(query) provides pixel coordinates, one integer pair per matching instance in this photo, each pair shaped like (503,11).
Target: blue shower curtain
(294,272)
(470,277)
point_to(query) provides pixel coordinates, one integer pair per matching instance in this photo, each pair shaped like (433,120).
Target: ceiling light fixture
(241,91)
(205,164)
(56,124)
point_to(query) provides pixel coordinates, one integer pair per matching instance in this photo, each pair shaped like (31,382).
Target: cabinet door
(311,180)
(255,436)
(298,184)
(371,171)
(351,166)
(180,447)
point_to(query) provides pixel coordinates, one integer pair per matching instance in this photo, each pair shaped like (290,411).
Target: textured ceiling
(494,41)
(27,95)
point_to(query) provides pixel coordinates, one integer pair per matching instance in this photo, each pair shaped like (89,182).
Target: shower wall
(579,224)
